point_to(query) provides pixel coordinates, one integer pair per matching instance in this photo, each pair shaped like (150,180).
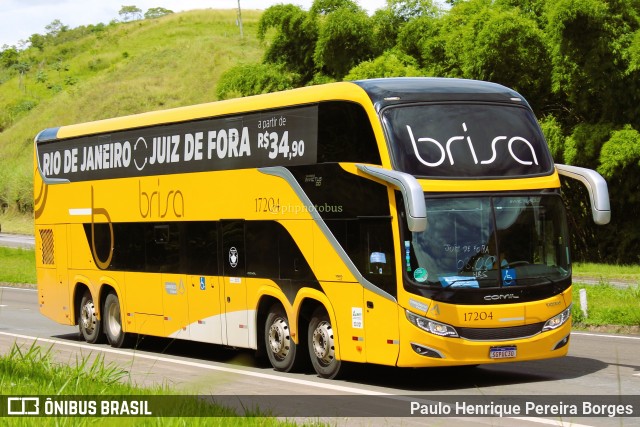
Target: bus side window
(201,248)
(377,253)
(293,264)
(162,247)
(272,253)
(369,244)
(345,134)
(262,254)
(128,247)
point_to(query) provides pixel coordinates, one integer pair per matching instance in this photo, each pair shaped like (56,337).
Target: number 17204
(472,316)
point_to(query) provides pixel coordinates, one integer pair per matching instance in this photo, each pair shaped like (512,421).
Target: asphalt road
(598,364)
(17,241)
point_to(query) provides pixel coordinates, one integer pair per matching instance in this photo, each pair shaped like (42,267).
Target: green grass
(33,371)
(607,305)
(605,272)
(17,265)
(126,68)
(16,223)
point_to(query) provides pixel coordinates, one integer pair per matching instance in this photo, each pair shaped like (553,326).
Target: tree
(38,41)
(55,28)
(325,7)
(411,9)
(294,42)
(509,48)
(130,13)
(389,64)
(9,56)
(157,12)
(620,165)
(590,42)
(386,27)
(345,39)
(421,38)
(634,53)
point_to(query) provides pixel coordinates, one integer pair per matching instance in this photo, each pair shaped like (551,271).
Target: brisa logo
(160,204)
(445,151)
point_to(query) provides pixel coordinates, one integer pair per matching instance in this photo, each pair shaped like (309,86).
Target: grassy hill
(96,72)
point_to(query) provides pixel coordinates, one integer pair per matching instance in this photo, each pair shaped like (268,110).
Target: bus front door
(236,319)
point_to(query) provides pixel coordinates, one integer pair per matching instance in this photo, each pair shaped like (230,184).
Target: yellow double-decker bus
(407,222)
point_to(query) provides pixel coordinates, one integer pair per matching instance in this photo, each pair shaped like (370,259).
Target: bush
(254,79)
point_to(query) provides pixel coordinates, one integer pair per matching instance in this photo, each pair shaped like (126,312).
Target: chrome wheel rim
(322,341)
(279,339)
(88,317)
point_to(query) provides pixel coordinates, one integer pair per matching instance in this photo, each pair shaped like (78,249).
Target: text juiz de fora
(528,409)
(221,144)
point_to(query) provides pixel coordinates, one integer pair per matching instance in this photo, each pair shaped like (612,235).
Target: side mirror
(411,190)
(597,188)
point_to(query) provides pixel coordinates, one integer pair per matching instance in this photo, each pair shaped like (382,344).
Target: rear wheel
(112,318)
(90,326)
(322,346)
(282,351)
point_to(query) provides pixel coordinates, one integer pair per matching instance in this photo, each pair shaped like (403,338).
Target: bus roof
(390,91)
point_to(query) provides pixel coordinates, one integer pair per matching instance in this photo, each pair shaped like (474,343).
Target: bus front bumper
(421,349)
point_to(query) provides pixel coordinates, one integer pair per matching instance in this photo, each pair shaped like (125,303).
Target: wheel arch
(265,302)
(300,312)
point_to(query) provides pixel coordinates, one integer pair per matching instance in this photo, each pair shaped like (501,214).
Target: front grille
(497,334)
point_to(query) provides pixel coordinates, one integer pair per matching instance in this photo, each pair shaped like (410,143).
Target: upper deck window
(466,140)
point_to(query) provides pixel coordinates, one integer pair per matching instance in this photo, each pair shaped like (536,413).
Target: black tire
(322,346)
(283,353)
(90,326)
(112,322)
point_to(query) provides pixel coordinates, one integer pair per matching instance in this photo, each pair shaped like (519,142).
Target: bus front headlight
(431,326)
(558,320)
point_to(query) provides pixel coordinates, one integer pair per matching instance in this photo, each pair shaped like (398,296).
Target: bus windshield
(484,242)
(463,140)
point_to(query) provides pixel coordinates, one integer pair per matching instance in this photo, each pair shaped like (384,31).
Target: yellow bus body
(368,326)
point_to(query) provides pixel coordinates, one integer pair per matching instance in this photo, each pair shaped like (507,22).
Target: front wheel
(281,349)
(112,318)
(322,346)
(90,326)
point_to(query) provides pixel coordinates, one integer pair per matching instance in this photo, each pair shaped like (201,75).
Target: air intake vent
(46,234)
(496,334)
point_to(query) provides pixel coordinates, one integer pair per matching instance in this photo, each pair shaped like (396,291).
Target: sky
(19,19)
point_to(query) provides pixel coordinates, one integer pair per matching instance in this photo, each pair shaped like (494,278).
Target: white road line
(589,334)
(550,422)
(18,289)
(332,387)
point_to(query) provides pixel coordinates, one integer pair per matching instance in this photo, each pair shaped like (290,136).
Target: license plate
(502,352)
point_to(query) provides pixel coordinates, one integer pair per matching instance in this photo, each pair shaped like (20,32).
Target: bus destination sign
(272,138)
